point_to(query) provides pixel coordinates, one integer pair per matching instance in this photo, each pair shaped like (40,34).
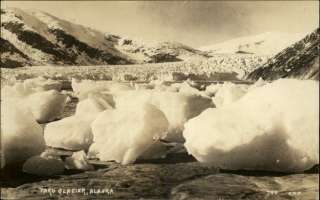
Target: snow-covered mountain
(301,60)
(38,38)
(269,43)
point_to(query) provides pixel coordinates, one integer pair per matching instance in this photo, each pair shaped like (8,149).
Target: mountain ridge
(300,60)
(49,40)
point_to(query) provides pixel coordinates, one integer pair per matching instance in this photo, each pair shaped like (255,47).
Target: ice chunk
(117,86)
(21,135)
(212,89)
(44,165)
(30,86)
(84,87)
(177,107)
(257,84)
(46,106)
(72,133)
(187,88)
(274,127)
(144,86)
(228,93)
(42,84)
(17,90)
(123,134)
(94,104)
(79,161)
(166,88)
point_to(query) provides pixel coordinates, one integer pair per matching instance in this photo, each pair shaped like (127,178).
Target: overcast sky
(194,23)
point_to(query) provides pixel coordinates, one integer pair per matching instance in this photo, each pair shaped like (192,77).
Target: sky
(195,23)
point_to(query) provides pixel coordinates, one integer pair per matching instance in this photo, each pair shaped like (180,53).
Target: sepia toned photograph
(181,100)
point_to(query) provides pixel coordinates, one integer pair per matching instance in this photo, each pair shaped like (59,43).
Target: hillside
(301,60)
(38,38)
(269,43)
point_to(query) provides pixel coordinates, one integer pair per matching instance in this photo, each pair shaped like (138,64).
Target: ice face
(274,127)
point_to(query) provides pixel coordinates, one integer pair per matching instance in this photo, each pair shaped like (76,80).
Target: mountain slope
(268,43)
(52,45)
(11,56)
(48,40)
(300,60)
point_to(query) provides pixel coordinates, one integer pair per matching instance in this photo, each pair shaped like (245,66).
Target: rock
(150,181)
(191,180)
(44,165)
(231,186)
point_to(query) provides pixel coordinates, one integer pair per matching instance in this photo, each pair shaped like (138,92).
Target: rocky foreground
(162,179)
